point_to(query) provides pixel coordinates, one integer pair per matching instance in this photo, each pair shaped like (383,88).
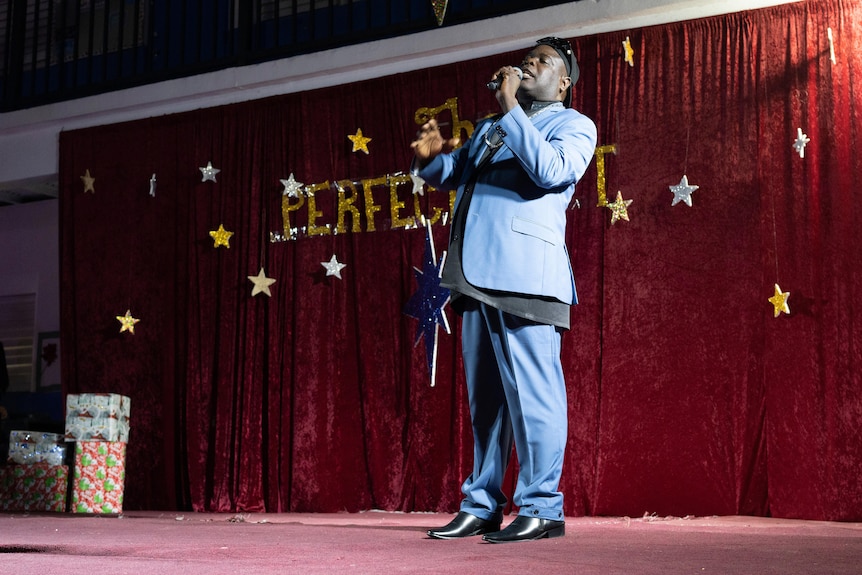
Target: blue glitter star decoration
(427,303)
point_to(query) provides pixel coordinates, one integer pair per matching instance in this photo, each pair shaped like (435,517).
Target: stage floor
(375,542)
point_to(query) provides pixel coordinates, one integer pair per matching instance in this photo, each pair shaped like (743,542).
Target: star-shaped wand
(427,302)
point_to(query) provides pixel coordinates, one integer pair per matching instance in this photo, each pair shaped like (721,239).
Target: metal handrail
(56,50)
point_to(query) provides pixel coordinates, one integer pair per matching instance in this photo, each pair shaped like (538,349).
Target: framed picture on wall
(48,361)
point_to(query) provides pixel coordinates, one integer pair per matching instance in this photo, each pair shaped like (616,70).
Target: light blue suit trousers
(517,392)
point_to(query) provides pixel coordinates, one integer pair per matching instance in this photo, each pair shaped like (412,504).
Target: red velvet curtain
(686,395)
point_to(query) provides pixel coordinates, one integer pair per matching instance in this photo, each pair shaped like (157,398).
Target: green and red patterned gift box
(99,479)
(98,423)
(33,487)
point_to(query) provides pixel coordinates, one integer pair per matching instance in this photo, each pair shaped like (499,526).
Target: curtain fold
(686,395)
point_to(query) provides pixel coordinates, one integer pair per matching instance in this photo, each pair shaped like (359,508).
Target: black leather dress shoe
(465,525)
(527,529)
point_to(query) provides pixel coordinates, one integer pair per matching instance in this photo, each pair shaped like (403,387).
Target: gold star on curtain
(618,208)
(89,181)
(630,52)
(779,301)
(221,237)
(127,322)
(360,142)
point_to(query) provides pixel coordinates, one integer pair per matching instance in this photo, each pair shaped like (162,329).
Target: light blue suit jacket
(516,223)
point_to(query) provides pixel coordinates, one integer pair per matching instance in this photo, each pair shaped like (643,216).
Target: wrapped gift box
(28,447)
(97,417)
(24,453)
(35,436)
(33,487)
(99,477)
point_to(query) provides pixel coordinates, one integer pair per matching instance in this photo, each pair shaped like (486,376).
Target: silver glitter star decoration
(800,143)
(418,185)
(682,191)
(333,267)
(208,173)
(291,187)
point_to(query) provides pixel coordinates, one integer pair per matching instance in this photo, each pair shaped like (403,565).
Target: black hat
(564,49)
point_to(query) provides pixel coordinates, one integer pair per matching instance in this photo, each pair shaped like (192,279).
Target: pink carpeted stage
(381,542)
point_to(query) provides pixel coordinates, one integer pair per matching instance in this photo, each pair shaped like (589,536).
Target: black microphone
(495,83)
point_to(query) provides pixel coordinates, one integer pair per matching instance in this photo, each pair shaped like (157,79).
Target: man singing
(512,282)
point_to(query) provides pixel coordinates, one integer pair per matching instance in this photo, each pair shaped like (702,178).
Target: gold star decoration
(779,301)
(630,52)
(88,182)
(261,283)
(618,208)
(360,142)
(127,322)
(221,237)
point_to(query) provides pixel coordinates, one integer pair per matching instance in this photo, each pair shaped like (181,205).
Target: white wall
(30,259)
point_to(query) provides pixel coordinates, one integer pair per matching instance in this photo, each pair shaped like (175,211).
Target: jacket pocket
(534,229)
